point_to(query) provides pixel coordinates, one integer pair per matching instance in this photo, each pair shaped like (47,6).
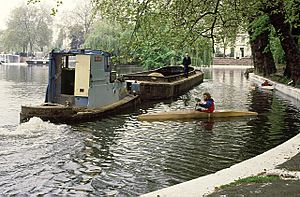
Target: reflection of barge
(163,83)
(88,91)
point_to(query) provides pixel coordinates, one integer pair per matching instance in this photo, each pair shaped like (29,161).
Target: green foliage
(154,57)
(280,79)
(110,37)
(252,179)
(162,30)
(293,12)
(258,26)
(276,48)
(128,47)
(54,10)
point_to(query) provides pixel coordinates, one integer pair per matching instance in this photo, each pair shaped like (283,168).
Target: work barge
(164,83)
(90,90)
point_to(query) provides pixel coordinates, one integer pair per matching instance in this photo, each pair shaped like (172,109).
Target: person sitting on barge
(208,103)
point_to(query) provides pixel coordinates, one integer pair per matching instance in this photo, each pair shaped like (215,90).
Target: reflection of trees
(37,75)
(291,123)
(269,129)
(285,120)
(258,137)
(261,101)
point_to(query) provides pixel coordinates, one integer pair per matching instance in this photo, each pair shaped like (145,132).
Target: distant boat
(88,91)
(38,62)
(9,59)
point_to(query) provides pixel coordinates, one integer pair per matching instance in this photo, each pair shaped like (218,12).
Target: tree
(76,35)
(181,24)
(28,27)
(110,37)
(277,14)
(77,23)
(60,39)
(259,30)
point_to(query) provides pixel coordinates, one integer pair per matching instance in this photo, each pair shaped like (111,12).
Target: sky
(8,5)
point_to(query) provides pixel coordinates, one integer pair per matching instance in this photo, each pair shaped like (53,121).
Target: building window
(231,52)
(242,52)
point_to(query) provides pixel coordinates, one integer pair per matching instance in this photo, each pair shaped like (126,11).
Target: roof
(81,51)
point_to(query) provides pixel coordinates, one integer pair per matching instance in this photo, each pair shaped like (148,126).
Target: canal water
(122,156)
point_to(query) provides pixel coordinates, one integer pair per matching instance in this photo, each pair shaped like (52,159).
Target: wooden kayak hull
(193,114)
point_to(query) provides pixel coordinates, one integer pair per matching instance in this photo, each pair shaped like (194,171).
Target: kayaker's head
(186,54)
(206,96)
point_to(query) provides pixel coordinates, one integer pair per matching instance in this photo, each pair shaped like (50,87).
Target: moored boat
(163,83)
(9,59)
(37,62)
(87,91)
(193,114)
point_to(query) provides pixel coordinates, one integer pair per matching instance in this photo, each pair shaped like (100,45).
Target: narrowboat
(86,91)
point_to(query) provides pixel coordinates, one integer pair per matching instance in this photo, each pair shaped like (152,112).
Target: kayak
(193,114)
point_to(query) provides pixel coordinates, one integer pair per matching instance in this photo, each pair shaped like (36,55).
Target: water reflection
(208,124)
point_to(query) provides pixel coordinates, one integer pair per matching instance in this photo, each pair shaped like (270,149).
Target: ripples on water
(125,157)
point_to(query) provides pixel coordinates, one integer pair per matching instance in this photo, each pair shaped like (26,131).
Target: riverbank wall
(282,88)
(232,61)
(263,163)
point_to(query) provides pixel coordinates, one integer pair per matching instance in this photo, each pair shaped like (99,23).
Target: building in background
(238,50)
(237,53)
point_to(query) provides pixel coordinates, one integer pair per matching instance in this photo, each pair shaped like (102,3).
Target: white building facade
(238,50)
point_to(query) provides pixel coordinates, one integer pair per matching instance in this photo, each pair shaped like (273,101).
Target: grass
(279,79)
(252,179)
(282,79)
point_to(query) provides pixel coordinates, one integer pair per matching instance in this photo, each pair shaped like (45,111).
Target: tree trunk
(292,55)
(263,60)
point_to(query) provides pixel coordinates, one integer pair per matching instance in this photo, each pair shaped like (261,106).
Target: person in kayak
(266,83)
(208,103)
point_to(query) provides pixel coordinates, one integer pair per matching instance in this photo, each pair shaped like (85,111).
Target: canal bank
(282,161)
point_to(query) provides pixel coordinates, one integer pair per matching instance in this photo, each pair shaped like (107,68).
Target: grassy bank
(250,180)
